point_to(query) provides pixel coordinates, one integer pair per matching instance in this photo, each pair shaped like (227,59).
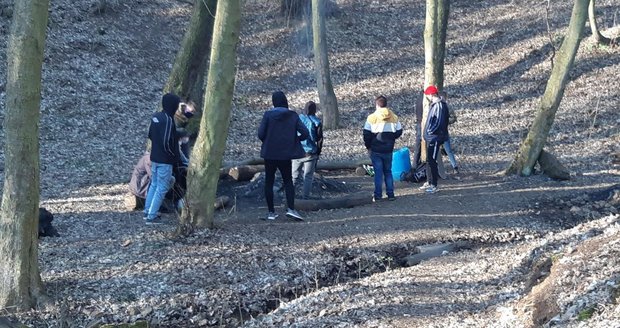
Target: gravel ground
(103,75)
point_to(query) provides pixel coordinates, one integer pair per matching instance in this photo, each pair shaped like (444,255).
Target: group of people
(292,144)
(161,172)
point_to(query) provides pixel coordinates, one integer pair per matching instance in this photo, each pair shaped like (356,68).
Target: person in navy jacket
(435,133)
(281,131)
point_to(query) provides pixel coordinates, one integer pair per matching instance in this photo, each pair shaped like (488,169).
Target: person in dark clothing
(380,132)
(281,131)
(435,133)
(164,155)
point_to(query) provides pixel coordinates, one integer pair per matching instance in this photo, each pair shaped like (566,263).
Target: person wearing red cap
(435,133)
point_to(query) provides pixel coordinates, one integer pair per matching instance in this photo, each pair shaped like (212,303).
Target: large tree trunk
(327,97)
(21,286)
(532,145)
(187,77)
(204,170)
(600,38)
(435,33)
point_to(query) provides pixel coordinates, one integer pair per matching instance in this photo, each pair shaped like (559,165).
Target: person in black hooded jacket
(164,155)
(281,131)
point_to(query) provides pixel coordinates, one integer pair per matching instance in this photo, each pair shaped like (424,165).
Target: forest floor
(531,251)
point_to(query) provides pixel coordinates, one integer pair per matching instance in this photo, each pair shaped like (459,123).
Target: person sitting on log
(312,146)
(281,131)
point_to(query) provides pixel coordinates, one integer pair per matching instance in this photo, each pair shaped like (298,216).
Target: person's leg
(296,170)
(162,177)
(448,149)
(377,163)
(309,168)
(417,147)
(270,177)
(151,191)
(387,175)
(285,168)
(432,151)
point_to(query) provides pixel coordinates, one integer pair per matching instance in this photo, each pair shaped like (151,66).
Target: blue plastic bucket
(400,163)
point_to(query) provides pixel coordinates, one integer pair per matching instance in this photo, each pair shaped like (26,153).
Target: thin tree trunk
(327,97)
(205,164)
(435,33)
(21,286)
(533,144)
(600,38)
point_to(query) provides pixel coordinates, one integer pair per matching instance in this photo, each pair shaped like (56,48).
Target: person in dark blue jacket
(281,131)
(164,155)
(435,133)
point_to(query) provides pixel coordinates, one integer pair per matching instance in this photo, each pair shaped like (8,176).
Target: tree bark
(532,145)
(188,72)
(206,160)
(600,38)
(21,286)
(327,97)
(552,167)
(247,172)
(435,33)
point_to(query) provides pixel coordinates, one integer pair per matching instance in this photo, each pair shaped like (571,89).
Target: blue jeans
(309,166)
(161,181)
(448,149)
(382,164)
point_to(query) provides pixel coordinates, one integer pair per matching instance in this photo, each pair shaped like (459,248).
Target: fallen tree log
(221,202)
(245,172)
(360,198)
(552,167)
(341,165)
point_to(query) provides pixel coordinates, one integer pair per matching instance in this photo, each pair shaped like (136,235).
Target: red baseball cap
(431,90)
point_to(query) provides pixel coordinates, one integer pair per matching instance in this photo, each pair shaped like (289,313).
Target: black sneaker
(156,221)
(391,198)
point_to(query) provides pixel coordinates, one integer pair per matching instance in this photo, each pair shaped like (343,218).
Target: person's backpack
(416,175)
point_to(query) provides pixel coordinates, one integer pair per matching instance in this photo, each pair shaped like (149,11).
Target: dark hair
(310,108)
(381,101)
(279,99)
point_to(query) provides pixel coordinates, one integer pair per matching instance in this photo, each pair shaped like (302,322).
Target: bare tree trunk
(204,170)
(187,76)
(327,97)
(21,286)
(600,38)
(435,33)
(532,145)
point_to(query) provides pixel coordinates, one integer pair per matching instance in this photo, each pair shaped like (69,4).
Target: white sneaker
(431,190)
(294,215)
(425,186)
(271,216)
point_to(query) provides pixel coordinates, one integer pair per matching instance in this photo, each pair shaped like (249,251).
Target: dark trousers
(285,167)
(432,151)
(417,148)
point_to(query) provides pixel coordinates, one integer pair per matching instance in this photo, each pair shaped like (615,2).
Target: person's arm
(262,129)
(399,130)
(302,130)
(368,135)
(319,138)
